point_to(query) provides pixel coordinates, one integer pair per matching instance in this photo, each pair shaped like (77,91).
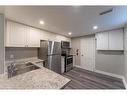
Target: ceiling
(63,19)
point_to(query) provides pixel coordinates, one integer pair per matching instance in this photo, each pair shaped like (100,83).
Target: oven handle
(69,57)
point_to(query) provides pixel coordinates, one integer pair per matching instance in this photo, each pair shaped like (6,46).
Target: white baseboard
(124,82)
(114,75)
(80,67)
(2,75)
(109,74)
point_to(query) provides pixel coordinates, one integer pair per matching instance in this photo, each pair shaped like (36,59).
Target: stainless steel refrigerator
(50,51)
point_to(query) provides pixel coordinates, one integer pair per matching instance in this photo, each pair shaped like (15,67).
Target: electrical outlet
(11,56)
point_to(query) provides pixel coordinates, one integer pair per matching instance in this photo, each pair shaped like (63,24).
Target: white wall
(125,53)
(110,61)
(1,43)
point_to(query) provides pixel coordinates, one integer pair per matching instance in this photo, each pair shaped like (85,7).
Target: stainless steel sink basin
(23,68)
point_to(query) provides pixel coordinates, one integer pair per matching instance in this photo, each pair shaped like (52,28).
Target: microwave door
(65,44)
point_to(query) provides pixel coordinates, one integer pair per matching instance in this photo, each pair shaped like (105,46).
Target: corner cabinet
(110,40)
(19,35)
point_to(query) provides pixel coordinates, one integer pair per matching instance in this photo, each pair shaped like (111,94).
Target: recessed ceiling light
(69,33)
(95,27)
(42,22)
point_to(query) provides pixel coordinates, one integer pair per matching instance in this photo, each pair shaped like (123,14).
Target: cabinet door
(44,35)
(102,41)
(116,40)
(15,35)
(33,37)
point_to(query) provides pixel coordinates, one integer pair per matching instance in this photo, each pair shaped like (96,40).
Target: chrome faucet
(11,70)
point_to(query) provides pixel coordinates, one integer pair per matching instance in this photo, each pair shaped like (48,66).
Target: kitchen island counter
(37,79)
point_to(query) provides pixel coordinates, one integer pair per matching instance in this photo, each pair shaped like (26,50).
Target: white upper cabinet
(15,35)
(111,40)
(33,37)
(116,40)
(18,35)
(102,41)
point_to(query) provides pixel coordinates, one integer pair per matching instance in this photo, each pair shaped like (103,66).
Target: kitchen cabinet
(44,35)
(19,35)
(116,40)
(15,35)
(33,37)
(102,41)
(110,40)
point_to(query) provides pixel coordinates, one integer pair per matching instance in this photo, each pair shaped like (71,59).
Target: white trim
(124,82)
(109,74)
(2,75)
(77,66)
(80,67)
(83,68)
(113,75)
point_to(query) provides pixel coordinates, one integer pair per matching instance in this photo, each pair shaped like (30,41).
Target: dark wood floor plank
(90,81)
(97,80)
(102,76)
(84,79)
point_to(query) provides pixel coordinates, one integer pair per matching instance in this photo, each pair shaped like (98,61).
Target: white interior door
(88,53)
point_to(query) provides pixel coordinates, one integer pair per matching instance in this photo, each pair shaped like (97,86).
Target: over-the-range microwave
(65,44)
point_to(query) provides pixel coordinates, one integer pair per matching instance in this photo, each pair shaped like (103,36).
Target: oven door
(69,63)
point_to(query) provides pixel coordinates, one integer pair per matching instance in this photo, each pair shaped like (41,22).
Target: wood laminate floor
(84,79)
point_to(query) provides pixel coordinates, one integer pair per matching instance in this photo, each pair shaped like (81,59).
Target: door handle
(82,55)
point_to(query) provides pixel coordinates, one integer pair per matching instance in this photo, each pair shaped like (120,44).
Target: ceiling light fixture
(42,22)
(69,33)
(95,27)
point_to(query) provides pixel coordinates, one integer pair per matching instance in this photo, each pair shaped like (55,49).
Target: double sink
(17,69)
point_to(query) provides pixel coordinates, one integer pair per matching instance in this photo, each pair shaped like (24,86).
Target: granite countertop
(37,79)
(42,78)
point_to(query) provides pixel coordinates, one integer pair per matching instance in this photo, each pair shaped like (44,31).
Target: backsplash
(20,53)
